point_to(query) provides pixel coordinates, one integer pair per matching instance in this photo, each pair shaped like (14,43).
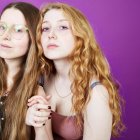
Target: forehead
(12,16)
(54,15)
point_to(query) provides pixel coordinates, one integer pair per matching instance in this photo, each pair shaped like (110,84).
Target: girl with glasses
(19,74)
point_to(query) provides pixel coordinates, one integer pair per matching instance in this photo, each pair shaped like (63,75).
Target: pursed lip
(5,45)
(52,45)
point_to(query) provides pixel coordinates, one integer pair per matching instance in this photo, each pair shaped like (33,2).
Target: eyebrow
(61,20)
(13,24)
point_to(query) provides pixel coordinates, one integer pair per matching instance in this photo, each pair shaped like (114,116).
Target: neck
(62,68)
(62,78)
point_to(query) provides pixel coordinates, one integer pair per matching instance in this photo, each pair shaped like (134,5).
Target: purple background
(116,25)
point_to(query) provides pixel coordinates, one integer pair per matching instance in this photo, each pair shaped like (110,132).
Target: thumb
(48,97)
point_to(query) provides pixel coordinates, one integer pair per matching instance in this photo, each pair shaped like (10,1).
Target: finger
(44,107)
(39,99)
(35,124)
(36,101)
(43,113)
(36,97)
(42,101)
(48,97)
(32,103)
(41,119)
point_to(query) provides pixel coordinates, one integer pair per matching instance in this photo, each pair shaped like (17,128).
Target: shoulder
(99,92)
(99,101)
(97,115)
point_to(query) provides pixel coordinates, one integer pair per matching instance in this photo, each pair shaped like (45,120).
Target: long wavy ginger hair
(25,81)
(87,61)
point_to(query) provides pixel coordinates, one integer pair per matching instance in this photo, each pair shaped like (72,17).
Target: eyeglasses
(17,31)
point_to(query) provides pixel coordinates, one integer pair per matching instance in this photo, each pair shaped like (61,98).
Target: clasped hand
(39,111)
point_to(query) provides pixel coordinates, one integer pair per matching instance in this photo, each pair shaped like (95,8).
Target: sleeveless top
(64,127)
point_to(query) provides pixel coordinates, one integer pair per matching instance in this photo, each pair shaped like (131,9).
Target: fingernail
(49,117)
(49,107)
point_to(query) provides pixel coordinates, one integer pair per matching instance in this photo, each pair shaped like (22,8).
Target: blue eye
(63,27)
(45,29)
(2,27)
(19,30)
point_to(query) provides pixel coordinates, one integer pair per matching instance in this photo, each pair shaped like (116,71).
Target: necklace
(59,93)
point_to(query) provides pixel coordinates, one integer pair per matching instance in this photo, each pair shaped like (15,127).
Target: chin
(4,56)
(7,57)
(50,56)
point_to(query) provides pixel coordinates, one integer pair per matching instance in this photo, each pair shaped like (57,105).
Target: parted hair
(25,81)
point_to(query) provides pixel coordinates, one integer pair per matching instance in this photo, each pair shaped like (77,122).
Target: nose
(52,35)
(6,35)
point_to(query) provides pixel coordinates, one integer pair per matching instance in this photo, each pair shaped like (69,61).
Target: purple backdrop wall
(116,25)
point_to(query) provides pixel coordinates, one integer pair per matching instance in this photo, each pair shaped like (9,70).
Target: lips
(5,46)
(52,46)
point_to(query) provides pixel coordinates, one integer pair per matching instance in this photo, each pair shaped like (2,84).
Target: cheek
(43,42)
(70,42)
(23,46)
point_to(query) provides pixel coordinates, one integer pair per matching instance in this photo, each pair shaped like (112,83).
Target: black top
(2,114)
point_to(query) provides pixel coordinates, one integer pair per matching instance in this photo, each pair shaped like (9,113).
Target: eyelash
(2,27)
(45,29)
(64,27)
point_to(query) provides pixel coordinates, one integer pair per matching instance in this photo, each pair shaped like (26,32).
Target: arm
(38,115)
(44,132)
(98,116)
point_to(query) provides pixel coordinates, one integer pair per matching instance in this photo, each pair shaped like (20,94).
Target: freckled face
(57,38)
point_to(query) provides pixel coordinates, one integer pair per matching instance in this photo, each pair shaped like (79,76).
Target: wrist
(40,133)
(41,129)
